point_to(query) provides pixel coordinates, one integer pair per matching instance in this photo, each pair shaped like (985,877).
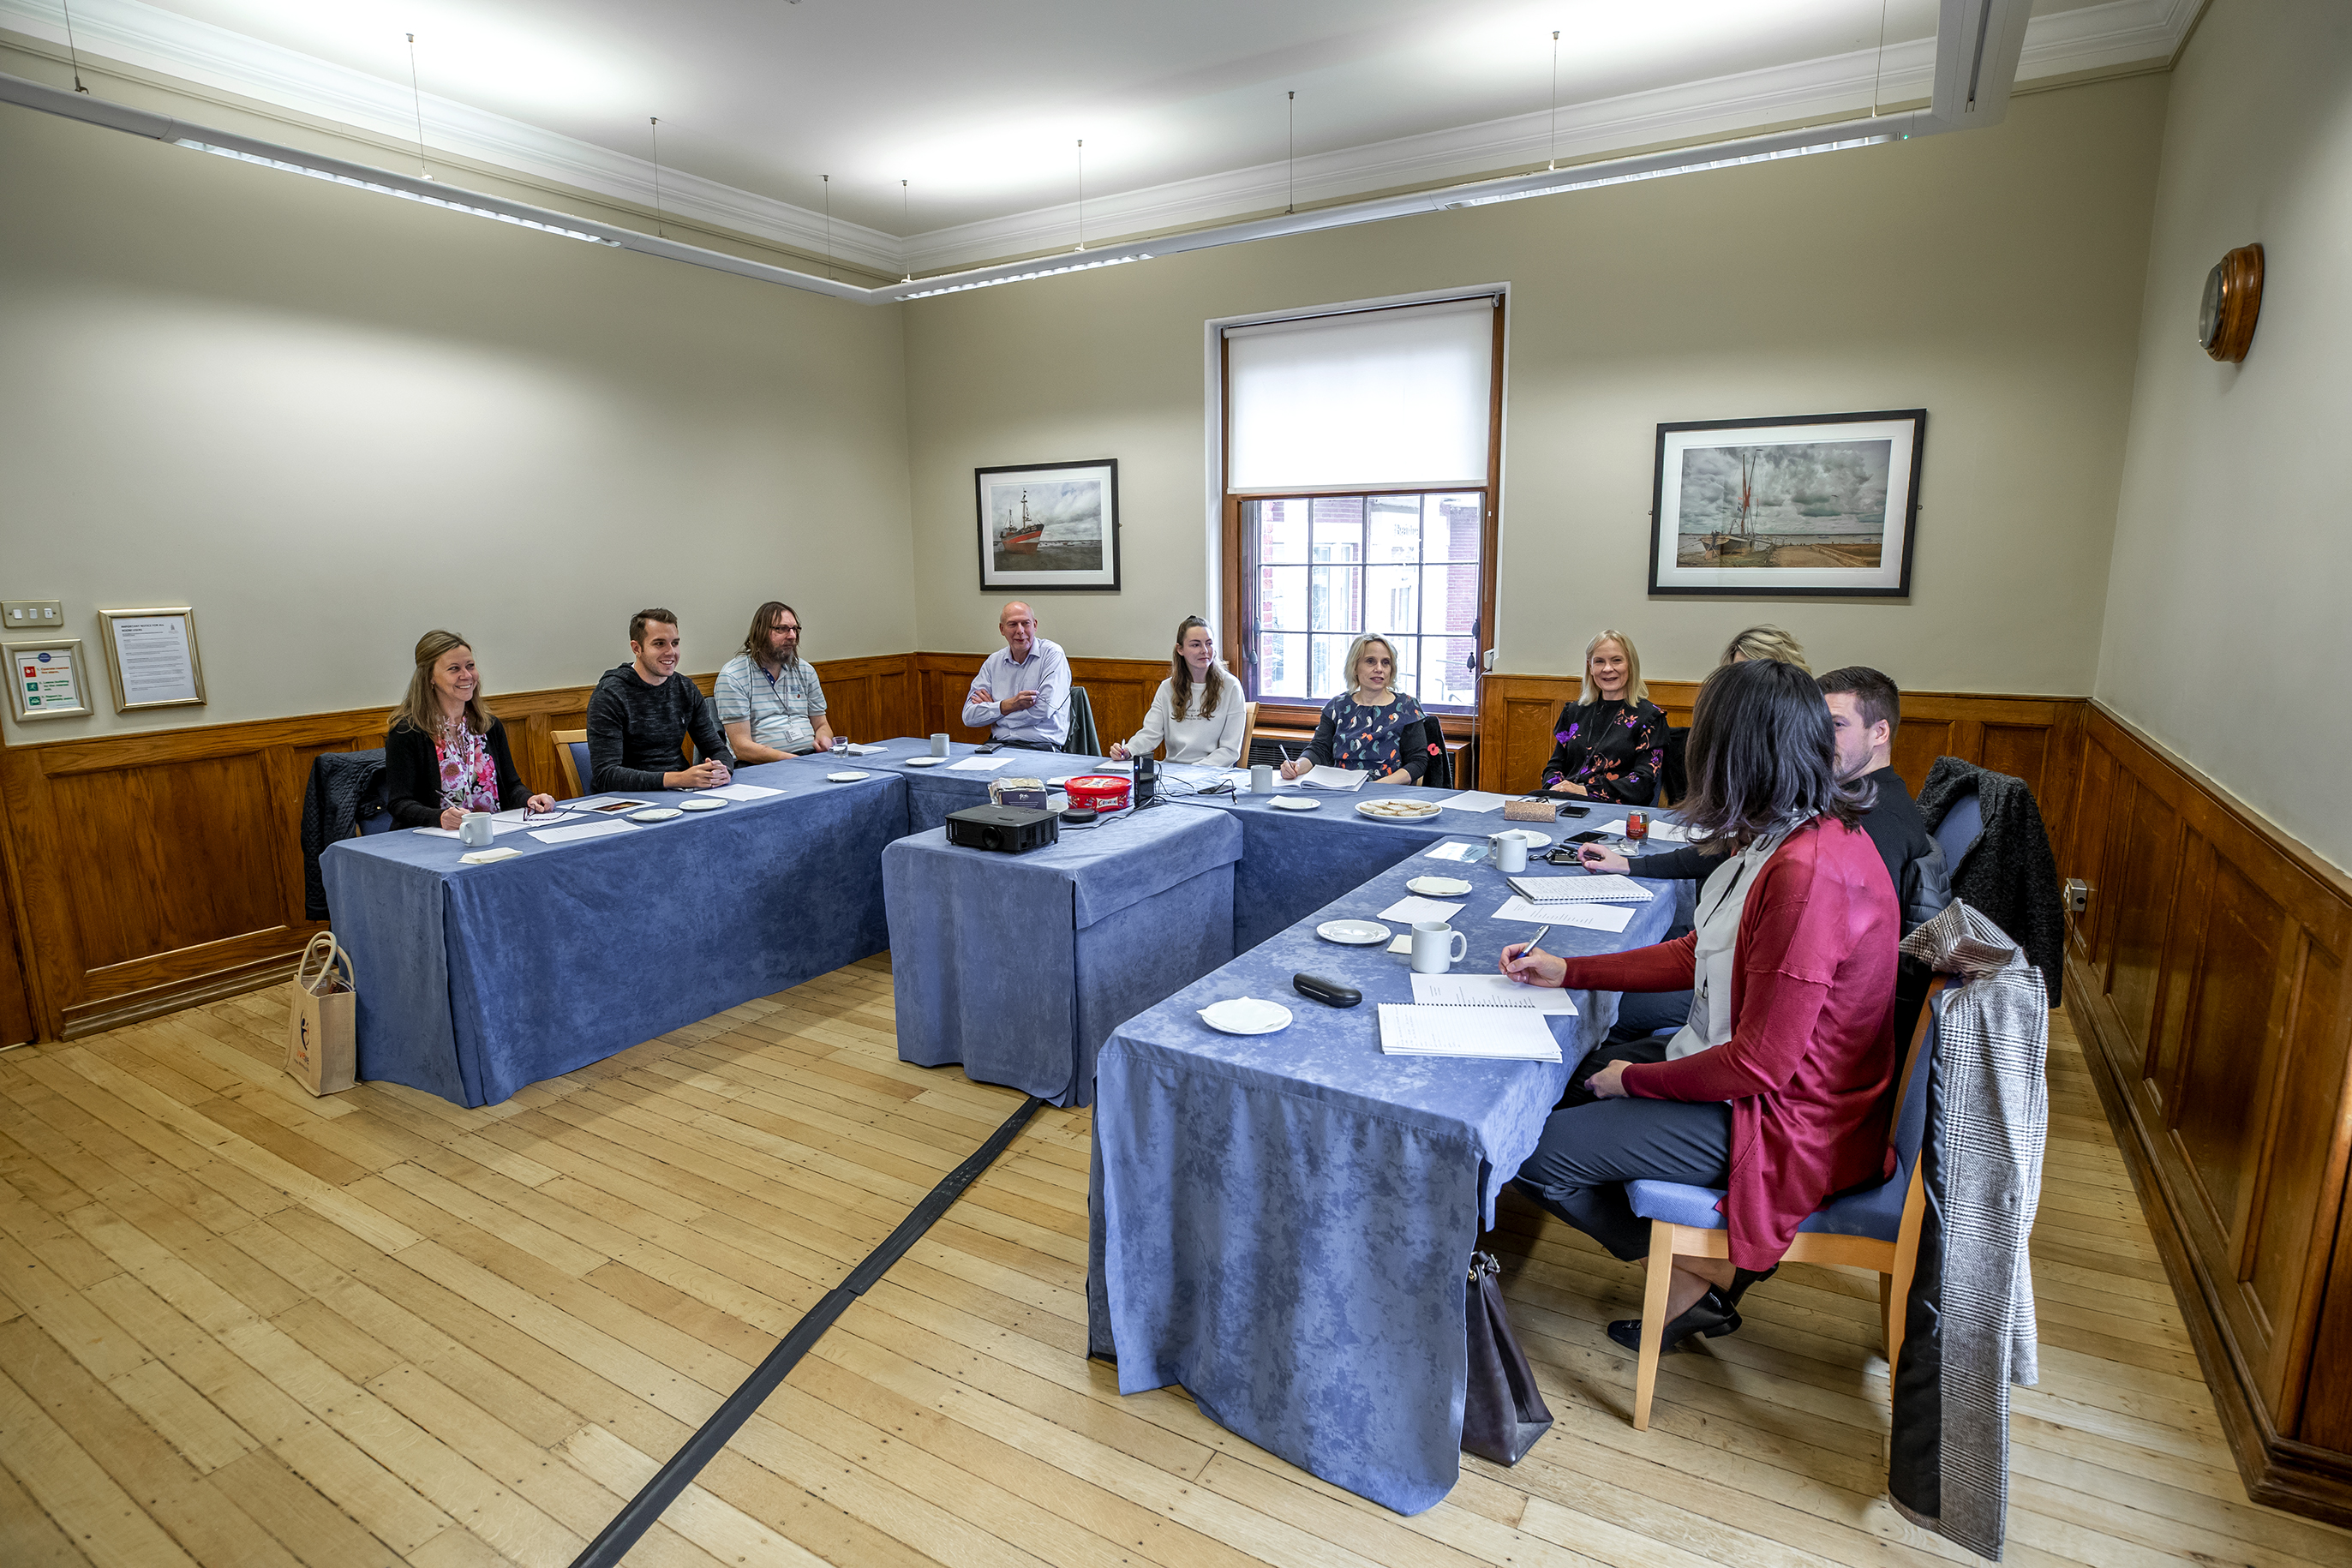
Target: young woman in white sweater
(1198,709)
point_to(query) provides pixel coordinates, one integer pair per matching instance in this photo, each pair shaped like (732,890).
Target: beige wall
(1992,277)
(329,420)
(2227,633)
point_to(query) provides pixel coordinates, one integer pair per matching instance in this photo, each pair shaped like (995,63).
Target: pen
(1539,935)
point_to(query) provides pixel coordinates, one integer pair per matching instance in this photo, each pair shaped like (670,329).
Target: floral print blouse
(469,780)
(1376,740)
(1615,751)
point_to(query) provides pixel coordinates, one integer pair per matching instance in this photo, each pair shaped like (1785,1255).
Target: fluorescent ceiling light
(1676,169)
(380,189)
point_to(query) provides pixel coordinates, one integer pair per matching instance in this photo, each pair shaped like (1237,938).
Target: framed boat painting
(1049,527)
(1807,504)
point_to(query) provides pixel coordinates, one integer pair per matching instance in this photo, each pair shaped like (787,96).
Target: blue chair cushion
(1676,1204)
(580,766)
(1963,821)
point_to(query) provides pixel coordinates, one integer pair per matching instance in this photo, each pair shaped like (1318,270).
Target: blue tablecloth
(1018,966)
(477,980)
(1282,1223)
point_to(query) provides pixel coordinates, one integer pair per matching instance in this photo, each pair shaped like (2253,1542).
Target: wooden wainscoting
(164,867)
(2207,980)
(2032,738)
(1119,689)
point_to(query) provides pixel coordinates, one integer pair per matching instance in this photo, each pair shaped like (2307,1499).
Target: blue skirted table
(475,981)
(1282,1223)
(1018,966)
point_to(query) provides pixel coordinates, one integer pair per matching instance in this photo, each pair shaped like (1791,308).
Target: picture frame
(151,658)
(1804,505)
(1046,528)
(46,679)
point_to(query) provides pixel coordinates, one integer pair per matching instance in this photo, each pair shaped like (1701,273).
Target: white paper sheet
(1591,916)
(1672,832)
(498,825)
(978,764)
(1489,990)
(856,750)
(583,830)
(1479,800)
(1505,1035)
(1452,849)
(1403,944)
(489,857)
(741,792)
(1419,909)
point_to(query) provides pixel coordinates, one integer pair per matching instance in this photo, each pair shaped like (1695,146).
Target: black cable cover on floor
(714,1435)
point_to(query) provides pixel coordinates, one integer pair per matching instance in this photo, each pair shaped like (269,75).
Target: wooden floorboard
(239,1325)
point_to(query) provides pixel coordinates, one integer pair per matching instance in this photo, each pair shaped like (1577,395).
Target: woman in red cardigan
(1795,937)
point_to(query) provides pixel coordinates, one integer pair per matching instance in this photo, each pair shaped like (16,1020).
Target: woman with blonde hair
(1198,711)
(1610,743)
(444,755)
(1371,727)
(1766,642)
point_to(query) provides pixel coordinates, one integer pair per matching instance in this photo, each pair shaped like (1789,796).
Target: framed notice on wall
(151,657)
(46,680)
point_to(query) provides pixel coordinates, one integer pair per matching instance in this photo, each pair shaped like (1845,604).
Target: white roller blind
(1375,398)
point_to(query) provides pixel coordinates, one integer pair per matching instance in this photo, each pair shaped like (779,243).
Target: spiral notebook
(1606,889)
(1495,1034)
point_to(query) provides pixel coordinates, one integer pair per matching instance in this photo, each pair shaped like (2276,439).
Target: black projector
(1008,829)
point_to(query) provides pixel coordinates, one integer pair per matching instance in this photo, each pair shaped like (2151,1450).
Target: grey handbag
(1502,1413)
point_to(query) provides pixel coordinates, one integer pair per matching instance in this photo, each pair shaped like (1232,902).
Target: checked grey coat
(1970,1330)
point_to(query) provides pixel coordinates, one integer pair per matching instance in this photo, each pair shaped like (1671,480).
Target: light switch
(32,615)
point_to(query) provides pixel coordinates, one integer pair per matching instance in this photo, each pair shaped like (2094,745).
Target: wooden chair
(1249,733)
(1876,1228)
(571,756)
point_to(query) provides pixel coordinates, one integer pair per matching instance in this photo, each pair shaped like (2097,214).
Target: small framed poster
(151,657)
(46,680)
(1049,526)
(1813,503)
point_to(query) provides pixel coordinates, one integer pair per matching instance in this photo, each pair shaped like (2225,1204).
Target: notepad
(1494,1034)
(582,830)
(1338,780)
(1489,990)
(741,792)
(1606,889)
(1591,916)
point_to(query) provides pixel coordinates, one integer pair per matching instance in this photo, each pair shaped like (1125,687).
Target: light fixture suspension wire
(906,229)
(1082,193)
(1292,206)
(416,95)
(1878,73)
(654,121)
(1554,161)
(73,50)
(828,223)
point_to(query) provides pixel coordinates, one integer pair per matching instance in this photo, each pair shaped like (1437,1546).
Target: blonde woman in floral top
(1369,728)
(444,755)
(1612,745)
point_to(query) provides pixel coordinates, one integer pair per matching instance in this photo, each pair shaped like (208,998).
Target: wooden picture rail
(2208,976)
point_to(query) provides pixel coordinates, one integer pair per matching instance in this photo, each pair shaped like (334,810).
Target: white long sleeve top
(1214,741)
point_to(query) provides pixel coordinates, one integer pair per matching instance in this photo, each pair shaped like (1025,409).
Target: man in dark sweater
(643,710)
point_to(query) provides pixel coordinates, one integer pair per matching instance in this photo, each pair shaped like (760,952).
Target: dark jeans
(1590,1151)
(1640,1013)
(1640,1049)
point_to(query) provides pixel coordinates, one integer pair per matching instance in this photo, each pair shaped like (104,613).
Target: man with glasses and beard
(768,696)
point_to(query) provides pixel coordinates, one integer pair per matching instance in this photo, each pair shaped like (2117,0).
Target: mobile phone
(1586,837)
(1576,811)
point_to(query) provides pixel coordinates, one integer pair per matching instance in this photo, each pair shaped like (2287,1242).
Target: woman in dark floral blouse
(1612,745)
(1369,728)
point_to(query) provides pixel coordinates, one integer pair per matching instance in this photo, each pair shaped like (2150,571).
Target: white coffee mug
(1261,778)
(1510,851)
(474,829)
(1437,947)
(940,745)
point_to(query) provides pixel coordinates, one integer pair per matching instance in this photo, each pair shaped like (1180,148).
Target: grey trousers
(1590,1151)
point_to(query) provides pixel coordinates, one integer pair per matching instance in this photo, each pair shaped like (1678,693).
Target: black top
(1894,824)
(1374,740)
(411,773)
(634,729)
(1614,750)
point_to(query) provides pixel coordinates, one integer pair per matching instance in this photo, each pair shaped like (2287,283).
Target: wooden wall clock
(2233,298)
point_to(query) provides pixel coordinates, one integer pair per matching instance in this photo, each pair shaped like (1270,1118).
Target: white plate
(1355,933)
(1245,1016)
(1535,840)
(703,803)
(654,814)
(925,762)
(1395,810)
(1294,803)
(850,777)
(1438,887)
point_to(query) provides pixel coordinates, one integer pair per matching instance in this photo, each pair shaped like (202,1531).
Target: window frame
(1233,553)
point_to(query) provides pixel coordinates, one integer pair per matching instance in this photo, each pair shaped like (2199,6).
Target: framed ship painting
(1808,504)
(1046,527)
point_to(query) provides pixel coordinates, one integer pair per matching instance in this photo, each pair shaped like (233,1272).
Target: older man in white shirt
(1022,694)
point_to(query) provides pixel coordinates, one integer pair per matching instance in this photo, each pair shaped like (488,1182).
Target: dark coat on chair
(344,787)
(2010,874)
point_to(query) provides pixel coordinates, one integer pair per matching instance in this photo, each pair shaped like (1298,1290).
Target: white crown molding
(2093,37)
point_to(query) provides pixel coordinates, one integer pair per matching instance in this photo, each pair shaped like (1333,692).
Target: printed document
(1340,780)
(1591,916)
(1489,990)
(1497,1034)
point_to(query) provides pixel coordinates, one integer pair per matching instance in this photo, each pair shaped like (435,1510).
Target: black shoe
(1710,1315)
(1743,1278)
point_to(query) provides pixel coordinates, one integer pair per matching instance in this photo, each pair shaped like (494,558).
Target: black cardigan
(412,773)
(1613,749)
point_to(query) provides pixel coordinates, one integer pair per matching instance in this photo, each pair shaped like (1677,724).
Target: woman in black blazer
(1612,745)
(444,755)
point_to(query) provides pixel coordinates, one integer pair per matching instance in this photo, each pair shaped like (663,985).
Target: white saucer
(1535,840)
(1245,1016)
(654,814)
(850,777)
(1438,887)
(703,803)
(925,762)
(1356,933)
(1294,803)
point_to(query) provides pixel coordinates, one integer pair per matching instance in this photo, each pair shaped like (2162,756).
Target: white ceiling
(979,107)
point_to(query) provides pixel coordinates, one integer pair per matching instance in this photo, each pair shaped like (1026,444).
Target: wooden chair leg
(1653,1320)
